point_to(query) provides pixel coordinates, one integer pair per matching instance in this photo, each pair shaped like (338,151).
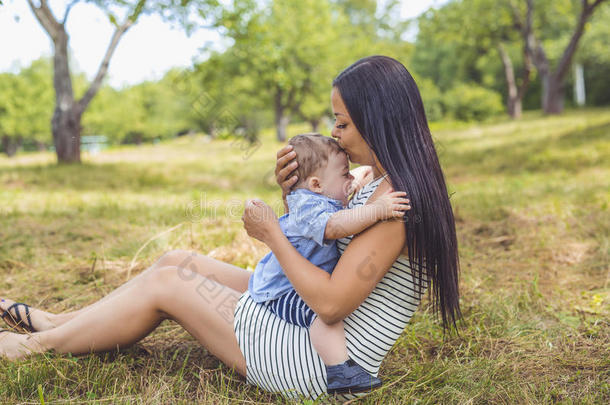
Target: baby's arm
(392,204)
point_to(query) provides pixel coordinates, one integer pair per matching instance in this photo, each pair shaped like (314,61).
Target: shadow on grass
(572,151)
(135,177)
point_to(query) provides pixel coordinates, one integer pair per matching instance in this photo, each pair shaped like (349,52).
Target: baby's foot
(14,346)
(349,377)
(24,318)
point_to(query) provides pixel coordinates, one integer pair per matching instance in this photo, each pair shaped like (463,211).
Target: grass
(531,203)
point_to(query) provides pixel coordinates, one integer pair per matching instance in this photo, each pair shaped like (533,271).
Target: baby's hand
(391,204)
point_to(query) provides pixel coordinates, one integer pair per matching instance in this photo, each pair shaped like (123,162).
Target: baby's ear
(313,184)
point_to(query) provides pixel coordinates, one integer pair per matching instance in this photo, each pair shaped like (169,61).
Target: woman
(374,289)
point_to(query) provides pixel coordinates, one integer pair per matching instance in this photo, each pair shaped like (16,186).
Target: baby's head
(323,166)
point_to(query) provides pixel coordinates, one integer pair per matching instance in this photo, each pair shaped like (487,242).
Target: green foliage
(464,102)
(290,52)
(442,52)
(469,102)
(26,105)
(285,56)
(223,98)
(432,98)
(140,113)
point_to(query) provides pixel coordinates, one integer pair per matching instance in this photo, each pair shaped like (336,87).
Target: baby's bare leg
(329,341)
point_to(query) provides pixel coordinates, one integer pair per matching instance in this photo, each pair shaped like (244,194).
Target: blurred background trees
(472,59)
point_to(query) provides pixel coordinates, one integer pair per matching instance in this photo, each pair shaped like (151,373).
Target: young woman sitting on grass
(374,289)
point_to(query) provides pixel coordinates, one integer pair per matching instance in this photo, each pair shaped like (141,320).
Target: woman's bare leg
(227,274)
(233,277)
(204,307)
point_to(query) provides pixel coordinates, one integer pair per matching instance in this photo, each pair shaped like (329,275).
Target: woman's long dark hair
(384,103)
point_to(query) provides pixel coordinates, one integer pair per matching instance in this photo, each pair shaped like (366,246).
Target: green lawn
(531,202)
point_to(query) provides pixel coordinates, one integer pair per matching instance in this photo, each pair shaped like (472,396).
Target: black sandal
(16,321)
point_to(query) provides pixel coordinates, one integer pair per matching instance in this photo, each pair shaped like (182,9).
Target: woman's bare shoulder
(397,229)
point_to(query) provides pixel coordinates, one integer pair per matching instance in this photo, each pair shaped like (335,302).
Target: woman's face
(346,133)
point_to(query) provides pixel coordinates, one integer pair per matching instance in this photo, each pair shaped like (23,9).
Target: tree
(553,81)
(287,50)
(466,32)
(66,121)
(454,41)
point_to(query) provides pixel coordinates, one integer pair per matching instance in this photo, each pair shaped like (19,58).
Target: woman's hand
(259,220)
(285,164)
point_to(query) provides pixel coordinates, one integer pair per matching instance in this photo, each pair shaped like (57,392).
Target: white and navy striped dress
(280,356)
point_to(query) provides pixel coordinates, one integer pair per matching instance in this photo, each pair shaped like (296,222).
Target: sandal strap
(17,318)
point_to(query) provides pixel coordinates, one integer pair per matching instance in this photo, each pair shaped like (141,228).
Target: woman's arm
(332,296)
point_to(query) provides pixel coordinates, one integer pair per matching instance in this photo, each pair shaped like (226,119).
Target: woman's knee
(160,281)
(165,275)
(177,258)
(165,283)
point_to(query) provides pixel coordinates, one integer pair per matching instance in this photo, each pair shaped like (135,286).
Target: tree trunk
(513,104)
(66,117)
(514,107)
(66,135)
(281,118)
(552,94)
(282,127)
(553,82)
(9,145)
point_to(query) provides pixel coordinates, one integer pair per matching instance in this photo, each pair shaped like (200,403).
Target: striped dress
(280,356)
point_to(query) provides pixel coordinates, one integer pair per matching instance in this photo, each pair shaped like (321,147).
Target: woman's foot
(14,346)
(24,318)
